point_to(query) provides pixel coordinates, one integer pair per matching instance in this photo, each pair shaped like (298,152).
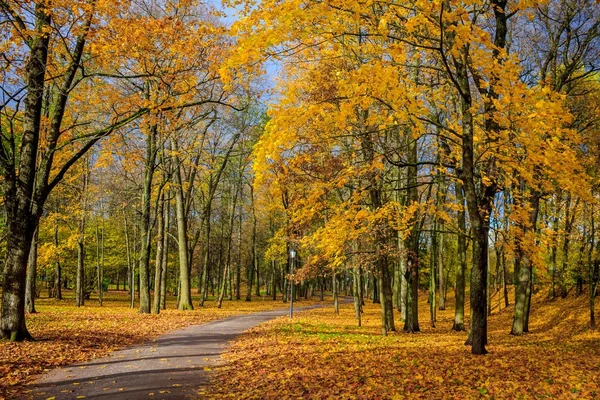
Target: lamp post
(292,256)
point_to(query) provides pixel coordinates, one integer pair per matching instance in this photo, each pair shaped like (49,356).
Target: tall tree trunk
(57,266)
(569,221)
(252,265)
(399,288)
(594,270)
(523,295)
(130,266)
(488,287)
(504,279)
(334,285)
(98,265)
(479,206)
(440,266)
(185,291)
(255,262)
(229,247)
(165,253)
(382,237)
(30,289)
(432,275)
(274,281)
(459,311)
(206,261)
(149,169)
(396,268)
(440,200)
(479,210)
(594,291)
(250,277)
(257,270)
(440,260)
(411,322)
(238,271)
(22,215)
(80,275)
(159,254)
(375,284)
(553,249)
(356,295)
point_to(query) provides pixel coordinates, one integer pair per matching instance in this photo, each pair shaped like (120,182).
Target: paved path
(174,366)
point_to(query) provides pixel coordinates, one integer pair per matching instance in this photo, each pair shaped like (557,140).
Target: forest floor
(66,334)
(323,355)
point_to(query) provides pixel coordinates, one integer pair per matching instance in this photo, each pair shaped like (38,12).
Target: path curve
(173,366)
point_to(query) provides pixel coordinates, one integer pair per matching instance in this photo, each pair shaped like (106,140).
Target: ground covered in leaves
(66,334)
(323,355)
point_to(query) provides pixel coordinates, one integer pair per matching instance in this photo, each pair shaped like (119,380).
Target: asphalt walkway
(173,366)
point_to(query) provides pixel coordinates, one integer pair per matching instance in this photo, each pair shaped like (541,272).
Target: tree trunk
(80,279)
(238,269)
(257,270)
(504,279)
(440,266)
(165,253)
(98,266)
(385,293)
(58,268)
(375,296)
(529,293)
(411,322)
(488,287)
(432,273)
(185,292)
(403,285)
(80,275)
(229,248)
(553,251)
(593,291)
(523,289)
(569,221)
(250,276)
(30,289)
(22,214)
(206,261)
(356,293)
(459,311)
(159,254)
(149,169)
(13,286)
(252,264)
(130,267)
(382,237)
(274,282)
(479,207)
(440,200)
(479,210)
(334,285)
